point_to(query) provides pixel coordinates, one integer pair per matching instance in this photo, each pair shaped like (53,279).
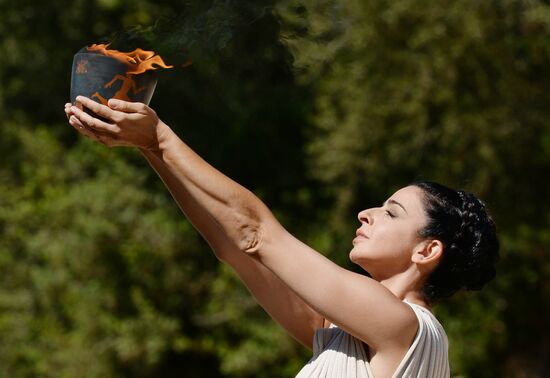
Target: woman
(424,243)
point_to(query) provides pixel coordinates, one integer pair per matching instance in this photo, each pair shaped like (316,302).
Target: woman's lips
(359,235)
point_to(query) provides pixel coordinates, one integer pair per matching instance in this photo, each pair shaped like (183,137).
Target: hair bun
(460,220)
(477,239)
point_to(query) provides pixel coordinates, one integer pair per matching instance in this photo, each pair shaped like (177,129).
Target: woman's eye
(390,214)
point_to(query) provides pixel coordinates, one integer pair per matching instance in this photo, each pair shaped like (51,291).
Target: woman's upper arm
(277,299)
(356,303)
(284,306)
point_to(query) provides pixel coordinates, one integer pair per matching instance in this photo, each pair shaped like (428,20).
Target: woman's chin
(352,257)
(355,257)
(357,253)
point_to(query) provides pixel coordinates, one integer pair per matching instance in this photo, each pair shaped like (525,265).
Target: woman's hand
(123,124)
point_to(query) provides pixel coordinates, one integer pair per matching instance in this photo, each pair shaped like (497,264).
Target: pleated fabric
(337,354)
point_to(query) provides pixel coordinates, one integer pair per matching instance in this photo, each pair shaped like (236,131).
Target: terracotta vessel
(101,77)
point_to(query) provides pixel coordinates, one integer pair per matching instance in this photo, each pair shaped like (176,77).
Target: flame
(138,60)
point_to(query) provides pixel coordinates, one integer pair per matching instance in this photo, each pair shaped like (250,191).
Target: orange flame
(138,60)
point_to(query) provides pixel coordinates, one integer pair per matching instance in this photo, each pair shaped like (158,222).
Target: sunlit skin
(299,287)
(388,246)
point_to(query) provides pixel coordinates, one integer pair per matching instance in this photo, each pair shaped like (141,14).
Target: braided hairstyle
(460,221)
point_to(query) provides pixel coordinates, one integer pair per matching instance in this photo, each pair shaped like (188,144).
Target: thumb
(125,106)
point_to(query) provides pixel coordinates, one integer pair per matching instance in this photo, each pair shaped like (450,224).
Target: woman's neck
(407,286)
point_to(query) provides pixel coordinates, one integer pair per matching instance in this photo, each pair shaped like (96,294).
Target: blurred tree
(453,91)
(86,255)
(100,275)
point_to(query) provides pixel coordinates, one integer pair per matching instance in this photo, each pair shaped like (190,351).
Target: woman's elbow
(250,239)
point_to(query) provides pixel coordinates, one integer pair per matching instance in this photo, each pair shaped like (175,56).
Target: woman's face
(388,235)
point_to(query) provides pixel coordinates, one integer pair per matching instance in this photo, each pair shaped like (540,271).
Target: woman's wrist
(163,135)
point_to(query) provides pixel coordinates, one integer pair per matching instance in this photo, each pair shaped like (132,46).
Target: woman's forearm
(284,306)
(219,204)
(237,213)
(195,213)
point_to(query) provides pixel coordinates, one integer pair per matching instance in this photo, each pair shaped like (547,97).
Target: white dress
(337,354)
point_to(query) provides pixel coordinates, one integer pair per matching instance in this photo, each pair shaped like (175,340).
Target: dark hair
(460,221)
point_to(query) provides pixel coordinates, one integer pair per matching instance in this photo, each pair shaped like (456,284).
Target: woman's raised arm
(358,304)
(281,303)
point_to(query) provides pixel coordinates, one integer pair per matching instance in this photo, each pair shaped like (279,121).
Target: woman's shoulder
(426,318)
(428,354)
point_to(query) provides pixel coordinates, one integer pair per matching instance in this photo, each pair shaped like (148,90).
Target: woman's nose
(365,216)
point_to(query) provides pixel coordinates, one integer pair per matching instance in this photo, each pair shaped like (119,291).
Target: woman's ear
(428,253)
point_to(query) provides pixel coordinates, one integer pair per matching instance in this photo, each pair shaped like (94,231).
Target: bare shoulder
(358,304)
(388,323)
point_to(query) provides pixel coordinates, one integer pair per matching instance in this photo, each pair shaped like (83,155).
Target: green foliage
(101,276)
(453,91)
(94,269)
(321,107)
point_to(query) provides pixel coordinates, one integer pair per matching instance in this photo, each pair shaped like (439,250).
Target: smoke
(202,30)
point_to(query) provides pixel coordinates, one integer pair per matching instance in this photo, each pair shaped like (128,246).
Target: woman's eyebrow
(394,202)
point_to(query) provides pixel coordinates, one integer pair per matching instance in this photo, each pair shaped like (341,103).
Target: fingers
(127,107)
(68,112)
(108,140)
(95,124)
(78,126)
(75,122)
(99,109)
